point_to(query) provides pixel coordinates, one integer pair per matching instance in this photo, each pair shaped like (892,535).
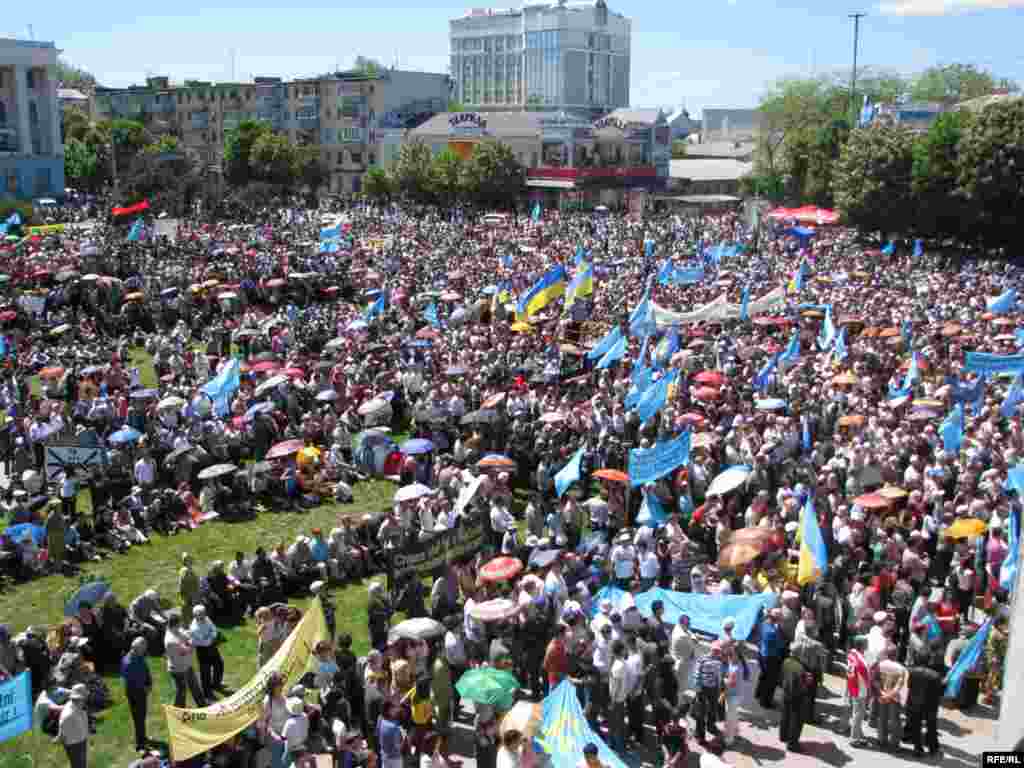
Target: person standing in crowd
(179,651)
(188,588)
(73,728)
(683,649)
(390,736)
(797,684)
(771,648)
(618,694)
(892,683)
(858,689)
(137,686)
(204,636)
(924,694)
(707,681)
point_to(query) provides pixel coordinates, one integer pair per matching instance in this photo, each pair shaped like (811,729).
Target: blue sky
(720,53)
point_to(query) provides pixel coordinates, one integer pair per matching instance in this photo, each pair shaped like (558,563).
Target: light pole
(853,73)
(113,169)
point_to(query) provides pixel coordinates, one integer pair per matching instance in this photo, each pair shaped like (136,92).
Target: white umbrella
(411,492)
(416,629)
(335,344)
(372,406)
(727,481)
(272,383)
(171,402)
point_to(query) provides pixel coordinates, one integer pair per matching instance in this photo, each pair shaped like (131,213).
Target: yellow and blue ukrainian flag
(546,290)
(581,287)
(813,554)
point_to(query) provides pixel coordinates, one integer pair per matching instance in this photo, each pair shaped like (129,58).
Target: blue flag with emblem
(952,430)
(667,347)
(430,315)
(506,260)
(967,660)
(766,374)
(640,380)
(569,474)
(614,353)
(889,248)
(1014,397)
(14,220)
(840,351)
(376,308)
(648,249)
(654,398)
(641,321)
(827,335)
(1005,302)
(608,341)
(222,386)
(1008,570)
(805,434)
(582,255)
(745,305)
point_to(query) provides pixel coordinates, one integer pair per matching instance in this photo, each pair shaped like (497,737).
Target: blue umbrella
(542,558)
(416,446)
(455,370)
(17,533)
(172,291)
(420,344)
(770,404)
(327,396)
(356,325)
(258,409)
(145,394)
(125,435)
(489,290)
(90,593)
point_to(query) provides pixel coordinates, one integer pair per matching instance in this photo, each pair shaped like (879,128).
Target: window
(357,158)
(30,78)
(3,114)
(373,159)
(180,98)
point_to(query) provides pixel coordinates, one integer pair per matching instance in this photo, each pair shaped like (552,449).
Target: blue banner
(650,464)
(332,232)
(564,731)
(654,398)
(707,612)
(569,474)
(968,659)
(982,362)
(15,706)
(640,382)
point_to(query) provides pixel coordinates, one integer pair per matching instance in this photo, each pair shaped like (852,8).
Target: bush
(9,206)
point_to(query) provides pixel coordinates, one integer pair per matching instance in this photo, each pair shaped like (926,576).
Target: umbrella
(553,417)
(264,366)
(171,402)
(335,344)
(176,454)
(526,717)
(416,446)
(845,378)
(53,372)
(145,394)
(488,685)
(927,402)
(542,558)
(965,528)
(286,448)
(412,492)
(693,419)
(735,554)
(455,371)
(501,569)
(217,470)
(493,400)
(7,315)
(327,396)
(872,501)
(892,492)
(613,475)
(522,328)
(498,609)
(496,461)
(257,409)
(92,593)
(888,333)
(64,275)
(62,328)
(356,325)
(852,420)
(707,393)
(372,406)
(428,333)
(90,370)
(764,538)
(483,416)
(270,384)
(423,628)
(770,404)
(923,414)
(729,480)
(712,378)
(125,435)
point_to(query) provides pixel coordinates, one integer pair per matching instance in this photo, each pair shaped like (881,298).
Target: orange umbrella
(53,372)
(614,475)
(872,501)
(766,538)
(892,492)
(734,555)
(845,378)
(888,333)
(853,420)
(951,329)
(496,461)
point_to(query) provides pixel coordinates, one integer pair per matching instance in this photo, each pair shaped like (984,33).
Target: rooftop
(722,169)
(71,94)
(498,124)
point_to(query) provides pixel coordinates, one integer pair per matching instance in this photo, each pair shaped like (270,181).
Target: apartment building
(355,118)
(31,150)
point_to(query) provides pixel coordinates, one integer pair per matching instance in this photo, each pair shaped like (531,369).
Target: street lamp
(853,73)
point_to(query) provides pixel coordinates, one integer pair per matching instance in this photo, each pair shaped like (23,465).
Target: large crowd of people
(286,359)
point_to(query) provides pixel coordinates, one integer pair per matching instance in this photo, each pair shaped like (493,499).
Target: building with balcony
(560,55)
(31,150)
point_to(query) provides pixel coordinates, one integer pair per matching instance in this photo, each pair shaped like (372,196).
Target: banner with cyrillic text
(650,464)
(15,706)
(982,362)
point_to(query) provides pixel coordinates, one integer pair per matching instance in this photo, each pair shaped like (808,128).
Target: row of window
(497,43)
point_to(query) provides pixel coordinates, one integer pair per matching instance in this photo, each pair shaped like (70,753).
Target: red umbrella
(496,462)
(614,475)
(427,333)
(287,448)
(263,366)
(54,372)
(276,282)
(693,418)
(7,316)
(501,569)
(707,393)
(295,373)
(872,501)
(712,378)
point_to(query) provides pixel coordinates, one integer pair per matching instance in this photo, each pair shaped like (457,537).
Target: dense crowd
(285,363)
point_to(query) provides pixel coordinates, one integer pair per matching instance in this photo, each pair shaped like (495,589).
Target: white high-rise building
(551,55)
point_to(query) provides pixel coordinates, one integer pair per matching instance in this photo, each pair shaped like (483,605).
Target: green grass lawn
(155,565)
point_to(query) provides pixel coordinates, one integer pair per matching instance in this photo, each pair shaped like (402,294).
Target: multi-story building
(355,118)
(31,150)
(551,56)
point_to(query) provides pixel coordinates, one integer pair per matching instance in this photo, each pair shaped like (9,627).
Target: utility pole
(853,73)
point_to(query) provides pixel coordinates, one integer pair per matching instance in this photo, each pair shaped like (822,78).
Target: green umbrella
(487,685)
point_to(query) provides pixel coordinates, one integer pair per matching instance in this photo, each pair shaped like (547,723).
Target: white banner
(719,309)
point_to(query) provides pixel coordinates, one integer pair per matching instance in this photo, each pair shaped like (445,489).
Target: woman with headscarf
(188,588)
(378,613)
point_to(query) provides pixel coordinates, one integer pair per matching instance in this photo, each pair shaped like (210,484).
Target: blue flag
(667,347)
(867,112)
(1013,398)
(652,514)
(840,350)
(648,249)
(330,233)
(813,553)
(137,232)
(654,398)
(14,220)
(430,315)
(582,255)
(565,732)
(805,435)
(641,321)
(792,351)
(967,660)
(614,354)
(506,260)
(569,474)
(1008,570)
(907,333)
(222,386)
(605,344)
(535,213)
(889,248)
(745,305)
(640,380)
(766,374)
(1005,302)
(952,430)
(647,465)
(828,330)
(918,247)
(328,247)
(376,308)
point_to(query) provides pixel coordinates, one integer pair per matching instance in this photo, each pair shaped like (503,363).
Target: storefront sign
(467,124)
(609,122)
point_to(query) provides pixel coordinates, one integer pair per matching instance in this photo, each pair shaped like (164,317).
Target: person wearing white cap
(73,727)
(683,649)
(203,634)
(295,731)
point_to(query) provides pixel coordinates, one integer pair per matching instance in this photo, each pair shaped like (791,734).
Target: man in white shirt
(635,671)
(650,568)
(623,558)
(682,648)
(73,727)
(618,694)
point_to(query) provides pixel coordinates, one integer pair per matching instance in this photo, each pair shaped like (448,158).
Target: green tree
(378,184)
(412,170)
(493,175)
(941,211)
(80,164)
(956,82)
(456,106)
(991,160)
(367,65)
(238,143)
(75,123)
(273,159)
(448,176)
(169,180)
(71,76)
(164,145)
(872,179)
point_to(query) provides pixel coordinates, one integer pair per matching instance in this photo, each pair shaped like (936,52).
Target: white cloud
(944,7)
